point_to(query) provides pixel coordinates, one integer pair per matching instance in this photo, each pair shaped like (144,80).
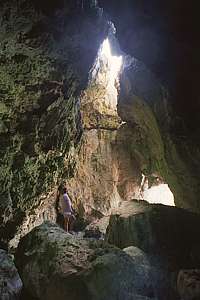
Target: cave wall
(56,127)
(145,104)
(117,151)
(46,53)
(164,35)
(119,144)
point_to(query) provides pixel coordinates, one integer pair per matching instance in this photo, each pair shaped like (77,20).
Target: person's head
(64,190)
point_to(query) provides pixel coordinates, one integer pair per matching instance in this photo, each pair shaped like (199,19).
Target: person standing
(67,211)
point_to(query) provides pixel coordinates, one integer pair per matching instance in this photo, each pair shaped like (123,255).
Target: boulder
(152,266)
(138,256)
(10,282)
(141,262)
(57,265)
(188,284)
(159,230)
(97,229)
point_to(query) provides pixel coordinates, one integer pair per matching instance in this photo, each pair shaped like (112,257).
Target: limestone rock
(152,265)
(46,54)
(10,282)
(141,262)
(140,148)
(157,229)
(93,187)
(97,229)
(130,151)
(188,284)
(145,37)
(45,210)
(138,255)
(114,158)
(56,265)
(145,104)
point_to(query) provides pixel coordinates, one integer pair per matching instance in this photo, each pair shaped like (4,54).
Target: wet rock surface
(54,264)
(10,281)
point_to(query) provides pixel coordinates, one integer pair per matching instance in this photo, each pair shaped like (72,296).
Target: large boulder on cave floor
(164,283)
(170,232)
(56,265)
(10,282)
(97,229)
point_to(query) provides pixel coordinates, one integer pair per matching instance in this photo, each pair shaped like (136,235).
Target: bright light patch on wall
(159,194)
(106,73)
(114,62)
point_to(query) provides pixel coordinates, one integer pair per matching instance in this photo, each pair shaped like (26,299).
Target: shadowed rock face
(168,232)
(45,57)
(164,37)
(145,106)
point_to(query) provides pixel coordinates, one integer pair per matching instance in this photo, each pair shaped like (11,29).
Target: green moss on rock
(153,142)
(43,67)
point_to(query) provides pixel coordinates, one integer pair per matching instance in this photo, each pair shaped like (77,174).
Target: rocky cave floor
(142,251)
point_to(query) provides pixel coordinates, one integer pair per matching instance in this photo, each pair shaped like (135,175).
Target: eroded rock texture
(131,152)
(163,156)
(54,264)
(119,143)
(46,53)
(59,120)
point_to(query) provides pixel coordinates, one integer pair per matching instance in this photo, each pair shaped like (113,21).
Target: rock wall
(163,36)
(45,58)
(166,156)
(59,121)
(146,151)
(131,153)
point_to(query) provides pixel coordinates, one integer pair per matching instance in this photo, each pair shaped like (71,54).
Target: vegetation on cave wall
(160,151)
(44,64)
